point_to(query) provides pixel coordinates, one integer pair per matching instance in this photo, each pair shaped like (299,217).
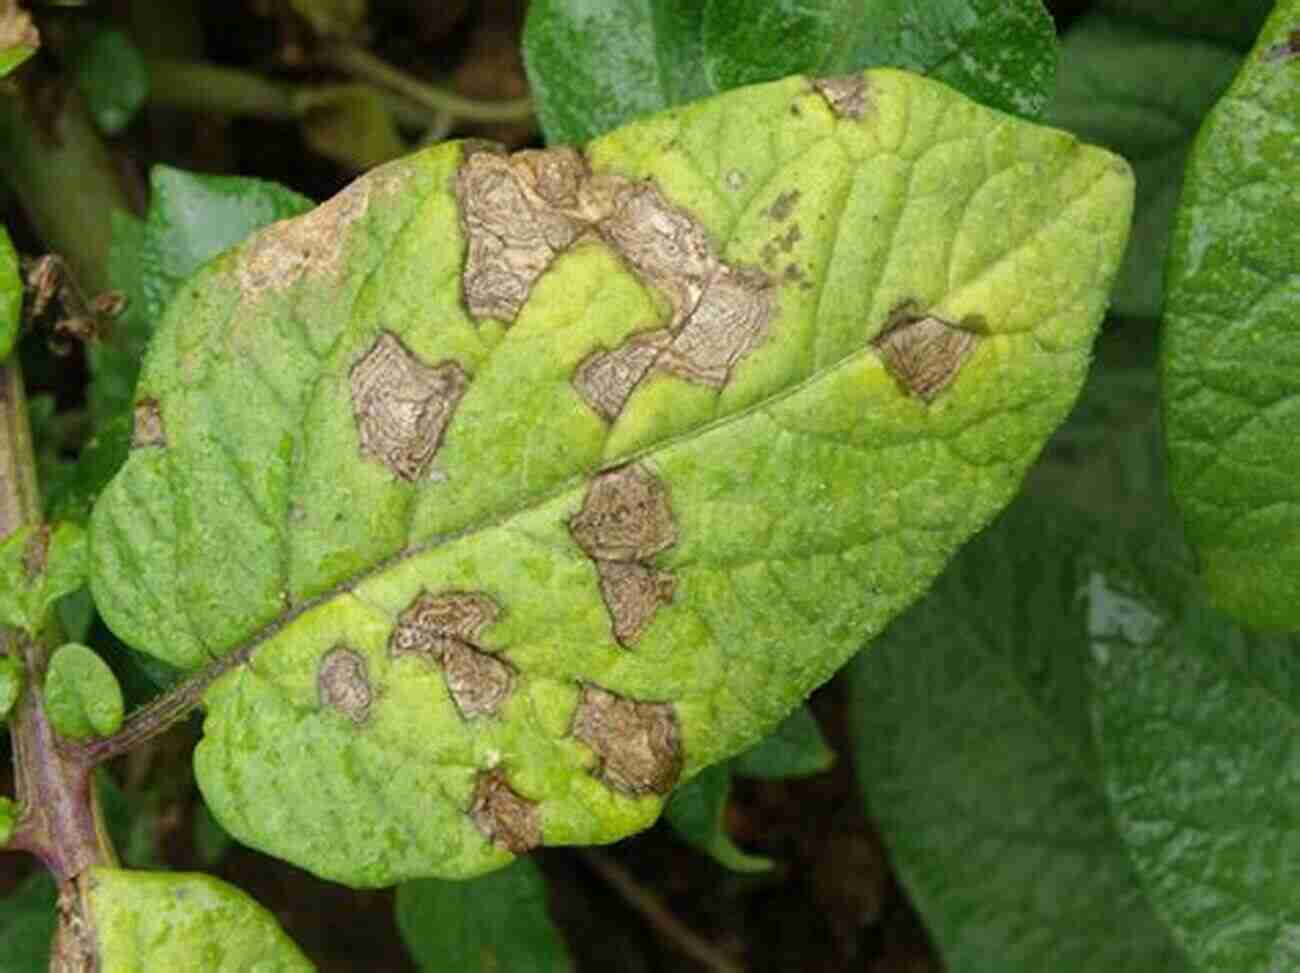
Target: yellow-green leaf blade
(179,921)
(446,638)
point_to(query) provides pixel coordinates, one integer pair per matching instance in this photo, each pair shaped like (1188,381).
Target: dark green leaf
(111,75)
(27,922)
(1231,338)
(1234,22)
(594,66)
(1143,94)
(497,922)
(975,752)
(1197,721)
(696,812)
(796,748)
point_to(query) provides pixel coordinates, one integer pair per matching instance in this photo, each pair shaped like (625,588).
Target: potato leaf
(499,495)
(179,921)
(11,295)
(1231,338)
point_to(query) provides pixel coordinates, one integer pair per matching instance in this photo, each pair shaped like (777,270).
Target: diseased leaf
(570,473)
(1231,338)
(19,39)
(1142,93)
(82,697)
(495,922)
(109,71)
(179,921)
(11,295)
(27,922)
(795,748)
(11,684)
(594,66)
(975,752)
(697,811)
(39,564)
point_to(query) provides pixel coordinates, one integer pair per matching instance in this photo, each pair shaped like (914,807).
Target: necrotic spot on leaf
(511,211)
(445,628)
(605,379)
(276,257)
(783,205)
(431,620)
(847,95)
(402,406)
(147,428)
(504,817)
(667,247)
(730,321)
(638,744)
(633,593)
(625,516)
(925,354)
(343,684)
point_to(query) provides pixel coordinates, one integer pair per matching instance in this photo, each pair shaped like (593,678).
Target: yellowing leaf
(499,495)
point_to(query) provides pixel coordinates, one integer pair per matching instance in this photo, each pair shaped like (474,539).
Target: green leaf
(796,748)
(697,812)
(192,217)
(82,697)
(110,72)
(974,748)
(1234,22)
(1231,338)
(179,921)
(27,921)
(478,573)
(495,922)
(11,685)
(11,295)
(1143,94)
(38,566)
(8,808)
(1196,720)
(19,39)
(594,66)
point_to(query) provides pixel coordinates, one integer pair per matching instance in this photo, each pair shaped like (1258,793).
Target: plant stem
(362,64)
(198,86)
(64,178)
(60,820)
(657,914)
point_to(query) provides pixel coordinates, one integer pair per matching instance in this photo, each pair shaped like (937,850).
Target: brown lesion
(637,744)
(520,212)
(516,212)
(503,816)
(846,94)
(447,629)
(924,353)
(402,405)
(343,685)
(147,428)
(625,520)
